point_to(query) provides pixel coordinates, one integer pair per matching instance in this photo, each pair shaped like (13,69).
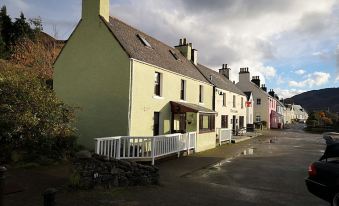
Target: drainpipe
(213,101)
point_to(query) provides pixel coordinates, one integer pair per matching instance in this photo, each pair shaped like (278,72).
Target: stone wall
(90,171)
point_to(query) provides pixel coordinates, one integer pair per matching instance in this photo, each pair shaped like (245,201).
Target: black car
(323,179)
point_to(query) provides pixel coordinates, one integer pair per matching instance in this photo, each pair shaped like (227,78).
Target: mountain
(322,99)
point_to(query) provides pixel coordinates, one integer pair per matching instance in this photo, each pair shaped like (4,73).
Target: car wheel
(335,199)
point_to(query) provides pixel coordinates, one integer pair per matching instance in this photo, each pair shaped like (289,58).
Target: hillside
(322,99)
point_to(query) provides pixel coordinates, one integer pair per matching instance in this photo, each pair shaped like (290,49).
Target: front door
(241,122)
(234,123)
(156,124)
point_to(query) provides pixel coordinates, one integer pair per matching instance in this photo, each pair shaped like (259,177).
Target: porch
(145,148)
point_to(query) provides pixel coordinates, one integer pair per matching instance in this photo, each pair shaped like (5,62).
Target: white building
(229,99)
(264,105)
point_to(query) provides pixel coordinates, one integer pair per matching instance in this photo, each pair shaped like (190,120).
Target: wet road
(268,173)
(265,174)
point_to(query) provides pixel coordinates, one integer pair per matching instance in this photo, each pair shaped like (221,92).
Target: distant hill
(322,99)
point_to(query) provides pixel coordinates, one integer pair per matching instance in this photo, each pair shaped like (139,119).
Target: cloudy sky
(293,45)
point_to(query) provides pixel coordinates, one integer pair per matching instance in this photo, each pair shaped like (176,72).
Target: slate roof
(219,80)
(159,55)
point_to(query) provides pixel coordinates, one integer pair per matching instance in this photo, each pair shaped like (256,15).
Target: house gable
(93,73)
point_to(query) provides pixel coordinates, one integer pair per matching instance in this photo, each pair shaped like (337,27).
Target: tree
(37,54)
(6,31)
(22,29)
(32,118)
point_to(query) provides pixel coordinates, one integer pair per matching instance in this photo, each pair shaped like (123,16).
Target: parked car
(323,179)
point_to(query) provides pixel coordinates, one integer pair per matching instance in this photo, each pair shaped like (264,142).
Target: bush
(33,122)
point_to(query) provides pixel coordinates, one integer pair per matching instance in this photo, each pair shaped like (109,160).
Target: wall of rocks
(91,170)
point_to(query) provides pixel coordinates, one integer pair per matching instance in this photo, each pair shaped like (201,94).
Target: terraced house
(130,84)
(229,100)
(264,106)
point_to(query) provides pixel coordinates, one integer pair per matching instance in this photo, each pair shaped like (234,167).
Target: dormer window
(174,55)
(144,41)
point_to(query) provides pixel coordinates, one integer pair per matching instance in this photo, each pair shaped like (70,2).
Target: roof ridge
(143,33)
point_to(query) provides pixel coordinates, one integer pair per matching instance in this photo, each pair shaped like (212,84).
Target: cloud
(314,79)
(240,33)
(287,93)
(300,71)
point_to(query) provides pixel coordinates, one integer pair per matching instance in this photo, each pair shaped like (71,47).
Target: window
(176,57)
(224,99)
(144,41)
(183,90)
(234,101)
(258,118)
(201,94)
(224,121)
(157,83)
(242,102)
(258,101)
(206,123)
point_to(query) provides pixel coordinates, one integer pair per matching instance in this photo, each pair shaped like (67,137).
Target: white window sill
(182,101)
(157,97)
(201,103)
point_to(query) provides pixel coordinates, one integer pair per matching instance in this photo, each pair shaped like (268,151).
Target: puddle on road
(218,166)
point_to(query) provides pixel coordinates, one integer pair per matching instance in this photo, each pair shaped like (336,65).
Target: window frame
(234,101)
(211,123)
(224,121)
(157,84)
(183,86)
(224,99)
(201,94)
(258,101)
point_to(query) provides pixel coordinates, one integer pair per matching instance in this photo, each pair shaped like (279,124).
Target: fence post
(188,143)
(153,149)
(219,135)
(119,148)
(178,143)
(49,197)
(2,184)
(97,148)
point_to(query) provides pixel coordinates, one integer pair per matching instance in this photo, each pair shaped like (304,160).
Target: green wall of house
(93,73)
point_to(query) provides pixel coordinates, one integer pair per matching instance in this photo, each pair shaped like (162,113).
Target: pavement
(265,170)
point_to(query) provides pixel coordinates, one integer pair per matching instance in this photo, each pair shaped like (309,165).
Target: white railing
(224,134)
(138,148)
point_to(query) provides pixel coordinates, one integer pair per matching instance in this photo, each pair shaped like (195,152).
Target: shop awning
(183,107)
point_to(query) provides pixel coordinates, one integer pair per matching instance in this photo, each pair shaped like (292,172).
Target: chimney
(271,92)
(225,71)
(194,56)
(263,87)
(244,75)
(91,9)
(256,80)
(186,49)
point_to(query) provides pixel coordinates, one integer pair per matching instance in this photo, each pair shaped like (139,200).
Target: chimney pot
(184,41)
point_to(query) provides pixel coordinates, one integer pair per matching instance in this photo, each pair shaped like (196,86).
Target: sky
(293,45)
